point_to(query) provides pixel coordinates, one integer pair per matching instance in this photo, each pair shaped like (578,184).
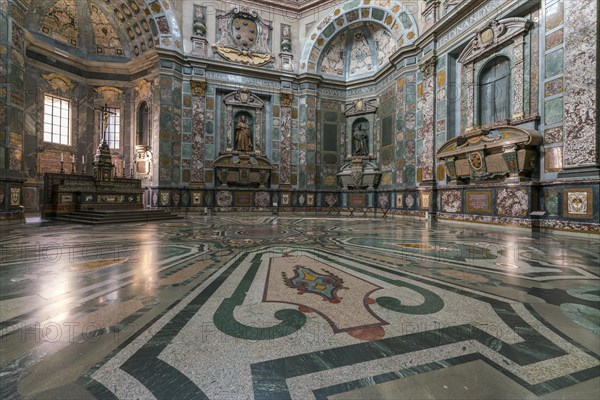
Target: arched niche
(143,124)
(361,134)
(243,123)
(238,103)
(360,118)
(143,155)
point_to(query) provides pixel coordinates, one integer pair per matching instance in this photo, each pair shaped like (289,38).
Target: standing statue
(360,141)
(199,22)
(243,141)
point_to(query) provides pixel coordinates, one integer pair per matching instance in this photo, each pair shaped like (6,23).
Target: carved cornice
(494,35)
(198,88)
(59,82)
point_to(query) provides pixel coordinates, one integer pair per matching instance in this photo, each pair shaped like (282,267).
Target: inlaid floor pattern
(297,307)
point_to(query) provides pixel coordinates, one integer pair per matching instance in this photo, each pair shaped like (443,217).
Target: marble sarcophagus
(504,152)
(243,169)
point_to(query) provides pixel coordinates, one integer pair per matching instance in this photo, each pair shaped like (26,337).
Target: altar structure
(65,193)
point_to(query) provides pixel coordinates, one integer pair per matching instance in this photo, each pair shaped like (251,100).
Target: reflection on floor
(234,307)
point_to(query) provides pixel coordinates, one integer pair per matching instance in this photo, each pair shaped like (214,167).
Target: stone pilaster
(426,161)
(518,103)
(12,116)
(286,100)
(228,145)
(198,116)
(581,150)
(470,112)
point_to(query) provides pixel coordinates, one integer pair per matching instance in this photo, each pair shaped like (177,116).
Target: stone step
(96,217)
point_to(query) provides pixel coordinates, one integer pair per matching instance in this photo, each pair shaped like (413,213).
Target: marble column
(286,100)
(198,110)
(581,155)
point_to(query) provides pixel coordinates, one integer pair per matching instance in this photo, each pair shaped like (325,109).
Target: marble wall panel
(581,139)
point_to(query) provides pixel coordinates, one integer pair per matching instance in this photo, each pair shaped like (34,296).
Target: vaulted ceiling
(101,29)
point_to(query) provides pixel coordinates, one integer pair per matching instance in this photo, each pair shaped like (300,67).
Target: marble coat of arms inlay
(244,37)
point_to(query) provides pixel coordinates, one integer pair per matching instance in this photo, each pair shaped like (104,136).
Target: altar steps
(97,217)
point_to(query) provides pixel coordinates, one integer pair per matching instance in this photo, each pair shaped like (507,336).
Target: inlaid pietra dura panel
(479,201)
(578,203)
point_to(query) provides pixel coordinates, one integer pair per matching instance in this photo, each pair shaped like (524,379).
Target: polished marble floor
(297,306)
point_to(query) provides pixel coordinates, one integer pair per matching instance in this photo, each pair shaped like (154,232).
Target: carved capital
(143,88)
(427,67)
(198,88)
(287,99)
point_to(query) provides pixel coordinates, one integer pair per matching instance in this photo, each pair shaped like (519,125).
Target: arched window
(494,91)
(143,123)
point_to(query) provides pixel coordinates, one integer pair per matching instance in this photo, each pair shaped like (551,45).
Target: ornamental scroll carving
(59,82)
(244,37)
(494,35)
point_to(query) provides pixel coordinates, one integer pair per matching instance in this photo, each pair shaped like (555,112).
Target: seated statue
(360,141)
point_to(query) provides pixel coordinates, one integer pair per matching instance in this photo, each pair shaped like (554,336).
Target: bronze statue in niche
(243,138)
(360,138)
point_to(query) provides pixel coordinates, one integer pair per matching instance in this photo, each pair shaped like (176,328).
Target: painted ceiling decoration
(358,51)
(119,28)
(61,22)
(357,38)
(106,39)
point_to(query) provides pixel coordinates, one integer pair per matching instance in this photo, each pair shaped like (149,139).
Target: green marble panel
(3,28)
(553,111)
(210,127)
(329,31)
(377,14)
(165,148)
(209,152)
(186,150)
(554,63)
(187,124)
(441,110)
(405,20)
(177,99)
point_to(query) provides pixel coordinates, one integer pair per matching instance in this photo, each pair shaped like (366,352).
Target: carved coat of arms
(244,37)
